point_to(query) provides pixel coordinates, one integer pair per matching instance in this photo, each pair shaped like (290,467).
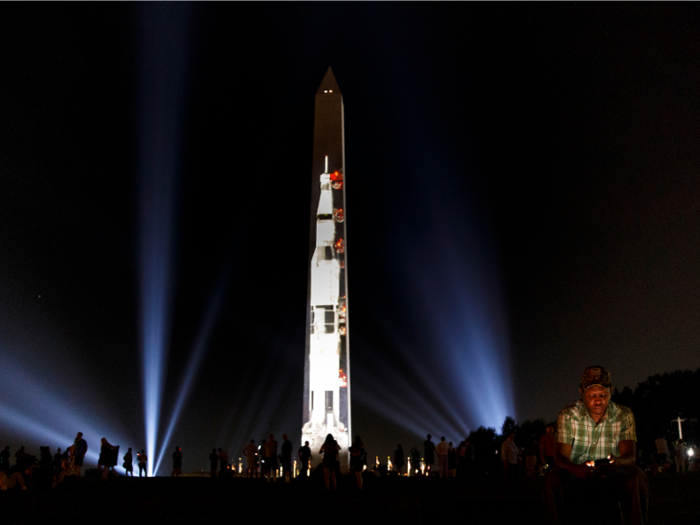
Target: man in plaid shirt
(595,451)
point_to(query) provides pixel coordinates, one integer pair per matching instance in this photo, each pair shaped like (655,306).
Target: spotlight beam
(23,423)
(38,409)
(260,410)
(43,433)
(163,42)
(193,363)
(403,406)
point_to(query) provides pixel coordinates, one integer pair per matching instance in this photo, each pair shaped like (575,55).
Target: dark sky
(522,202)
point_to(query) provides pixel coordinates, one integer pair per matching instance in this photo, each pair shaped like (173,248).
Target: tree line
(656,403)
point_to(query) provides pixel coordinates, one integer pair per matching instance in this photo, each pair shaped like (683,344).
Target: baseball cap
(595,375)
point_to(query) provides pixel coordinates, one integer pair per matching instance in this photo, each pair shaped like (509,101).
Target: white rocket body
(327,406)
(324,354)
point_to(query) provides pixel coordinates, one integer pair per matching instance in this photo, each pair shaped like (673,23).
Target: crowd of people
(592,448)
(264,461)
(685,457)
(44,471)
(530,458)
(48,471)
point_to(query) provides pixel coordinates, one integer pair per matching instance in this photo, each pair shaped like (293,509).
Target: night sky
(523,198)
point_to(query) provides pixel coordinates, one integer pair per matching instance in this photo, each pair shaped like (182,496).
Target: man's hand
(583,471)
(604,467)
(628,453)
(562,458)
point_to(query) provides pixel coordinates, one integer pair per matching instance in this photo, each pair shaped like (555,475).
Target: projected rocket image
(327,361)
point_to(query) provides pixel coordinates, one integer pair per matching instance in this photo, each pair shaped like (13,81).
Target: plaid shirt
(589,441)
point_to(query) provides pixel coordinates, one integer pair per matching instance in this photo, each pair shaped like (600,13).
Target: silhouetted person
(530,453)
(250,452)
(263,462)
(469,456)
(20,459)
(304,459)
(547,447)
(451,460)
(680,451)
(415,461)
(357,460)
(330,451)
(270,453)
(441,450)
(129,463)
(45,459)
(108,457)
(461,458)
(694,453)
(40,471)
(66,468)
(10,482)
(57,460)
(429,454)
(398,459)
(661,449)
(509,455)
(142,458)
(177,463)
(223,462)
(286,458)
(80,448)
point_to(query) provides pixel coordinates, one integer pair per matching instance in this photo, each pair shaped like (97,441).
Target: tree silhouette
(484,442)
(509,425)
(659,400)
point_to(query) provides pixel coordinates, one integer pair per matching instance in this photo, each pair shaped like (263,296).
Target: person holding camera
(595,453)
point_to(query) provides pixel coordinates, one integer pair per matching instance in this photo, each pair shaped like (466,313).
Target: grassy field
(191,499)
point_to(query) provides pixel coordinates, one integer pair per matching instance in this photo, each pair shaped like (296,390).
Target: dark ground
(674,501)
